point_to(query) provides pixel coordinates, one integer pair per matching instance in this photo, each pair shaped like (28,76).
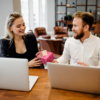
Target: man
(83,48)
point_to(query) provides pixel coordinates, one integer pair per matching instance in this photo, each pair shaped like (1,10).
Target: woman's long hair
(9,22)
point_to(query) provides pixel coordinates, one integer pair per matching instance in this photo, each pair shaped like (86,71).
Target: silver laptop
(14,75)
(76,78)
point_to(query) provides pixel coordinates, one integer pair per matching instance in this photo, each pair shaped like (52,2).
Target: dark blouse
(24,55)
(7,48)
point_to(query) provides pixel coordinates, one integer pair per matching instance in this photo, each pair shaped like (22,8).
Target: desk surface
(43,91)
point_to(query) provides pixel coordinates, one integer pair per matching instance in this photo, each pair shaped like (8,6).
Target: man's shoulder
(71,39)
(95,38)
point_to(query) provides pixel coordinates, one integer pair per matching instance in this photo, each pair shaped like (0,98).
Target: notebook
(75,78)
(14,75)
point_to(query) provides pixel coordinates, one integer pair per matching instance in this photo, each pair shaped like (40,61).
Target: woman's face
(18,27)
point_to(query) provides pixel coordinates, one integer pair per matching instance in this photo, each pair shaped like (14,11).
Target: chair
(60,32)
(30,32)
(97,29)
(51,45)
(41,32)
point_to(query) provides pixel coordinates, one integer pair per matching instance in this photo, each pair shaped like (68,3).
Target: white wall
(6,7)
(50,15)
(17,6)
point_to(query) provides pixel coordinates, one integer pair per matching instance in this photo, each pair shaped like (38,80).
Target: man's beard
(79,36)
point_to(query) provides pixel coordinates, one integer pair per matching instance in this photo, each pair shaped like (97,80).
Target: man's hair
(86,17)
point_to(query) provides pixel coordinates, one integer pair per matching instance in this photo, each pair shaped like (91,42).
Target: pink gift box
(47,58)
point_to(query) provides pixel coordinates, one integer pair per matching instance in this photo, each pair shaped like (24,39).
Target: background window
(34,13)
(25,13)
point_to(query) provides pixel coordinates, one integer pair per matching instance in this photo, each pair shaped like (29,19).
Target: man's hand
(54,61)
(82,63)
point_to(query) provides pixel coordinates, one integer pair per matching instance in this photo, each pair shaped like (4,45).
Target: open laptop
(76,78)
(14,75)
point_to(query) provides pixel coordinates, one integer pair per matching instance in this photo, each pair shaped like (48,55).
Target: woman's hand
(34,62)
(38,53)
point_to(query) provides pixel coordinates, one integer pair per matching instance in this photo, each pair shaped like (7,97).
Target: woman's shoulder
(4,40)
(30,37)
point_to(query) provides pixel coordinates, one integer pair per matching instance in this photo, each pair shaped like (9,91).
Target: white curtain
(34,13)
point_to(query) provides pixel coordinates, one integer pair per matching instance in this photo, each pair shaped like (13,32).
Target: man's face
(78,28)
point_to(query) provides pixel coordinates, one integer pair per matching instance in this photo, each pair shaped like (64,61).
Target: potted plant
(69,17)
(90,10)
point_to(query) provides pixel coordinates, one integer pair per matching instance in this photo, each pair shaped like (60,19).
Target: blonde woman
(16,43)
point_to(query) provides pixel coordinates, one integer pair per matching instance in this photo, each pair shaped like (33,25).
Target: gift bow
(44,53)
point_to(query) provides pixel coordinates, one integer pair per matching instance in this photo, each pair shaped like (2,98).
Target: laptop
(14,75)
(75,78)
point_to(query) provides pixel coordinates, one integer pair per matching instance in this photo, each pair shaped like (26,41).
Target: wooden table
(43,91)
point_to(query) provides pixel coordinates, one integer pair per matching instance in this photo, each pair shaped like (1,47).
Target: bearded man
(83,48)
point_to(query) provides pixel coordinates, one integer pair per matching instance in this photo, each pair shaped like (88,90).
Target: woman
(16,44)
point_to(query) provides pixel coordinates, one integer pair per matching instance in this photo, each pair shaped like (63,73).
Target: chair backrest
(97,28)
(30,32)
(51,45)
(40,31)
(60,30)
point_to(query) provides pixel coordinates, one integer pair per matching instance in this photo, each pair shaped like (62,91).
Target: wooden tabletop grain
(43,91)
